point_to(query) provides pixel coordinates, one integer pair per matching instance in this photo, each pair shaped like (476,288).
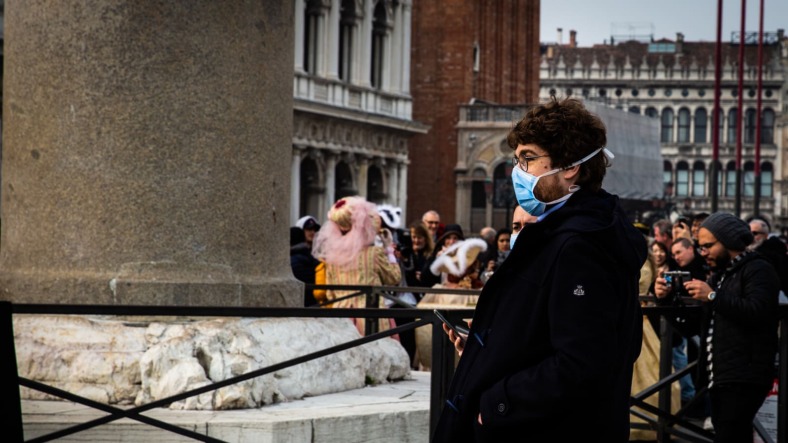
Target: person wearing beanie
(740,325)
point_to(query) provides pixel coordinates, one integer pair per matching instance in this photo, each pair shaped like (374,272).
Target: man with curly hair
(558,327)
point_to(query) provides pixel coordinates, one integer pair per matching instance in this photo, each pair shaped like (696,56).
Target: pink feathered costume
(346,244)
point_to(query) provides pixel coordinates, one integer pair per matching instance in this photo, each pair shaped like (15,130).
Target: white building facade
(352,103)
(673,81)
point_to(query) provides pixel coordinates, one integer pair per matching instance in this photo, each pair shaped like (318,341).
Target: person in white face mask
(558,326)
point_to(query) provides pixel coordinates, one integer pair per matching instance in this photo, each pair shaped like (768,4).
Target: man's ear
(572,172)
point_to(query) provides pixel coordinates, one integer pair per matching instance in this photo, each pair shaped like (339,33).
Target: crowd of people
(361,243)
(558,325)
(738,271)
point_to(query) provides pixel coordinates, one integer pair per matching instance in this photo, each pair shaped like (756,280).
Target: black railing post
(9,392)
(782,389)
(665,369)
(372,300)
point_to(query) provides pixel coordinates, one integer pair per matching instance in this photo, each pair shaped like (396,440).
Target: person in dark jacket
(771,248)
(302,263)
(558,327)
(741,330)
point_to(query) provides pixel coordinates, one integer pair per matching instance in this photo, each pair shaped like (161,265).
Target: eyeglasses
(432,222)
(706,246)
(759,233)
(523,161)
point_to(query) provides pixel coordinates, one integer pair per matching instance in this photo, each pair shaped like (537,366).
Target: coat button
(501,408)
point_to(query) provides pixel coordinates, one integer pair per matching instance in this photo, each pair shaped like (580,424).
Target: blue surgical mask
(525,183)
(512,239)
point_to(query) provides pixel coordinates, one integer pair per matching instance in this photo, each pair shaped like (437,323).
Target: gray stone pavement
(393,412)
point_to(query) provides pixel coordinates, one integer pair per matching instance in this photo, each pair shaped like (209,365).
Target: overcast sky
(595,20)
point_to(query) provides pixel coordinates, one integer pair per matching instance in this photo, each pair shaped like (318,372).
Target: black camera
(404,242)
(675,280)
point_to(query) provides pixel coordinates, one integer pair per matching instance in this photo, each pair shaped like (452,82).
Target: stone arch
(312,179)
(345,183)
(376,185)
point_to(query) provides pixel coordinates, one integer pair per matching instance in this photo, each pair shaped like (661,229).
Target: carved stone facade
(352,103)
(673,81)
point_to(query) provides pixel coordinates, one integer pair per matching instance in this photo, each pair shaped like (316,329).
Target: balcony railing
(353,97)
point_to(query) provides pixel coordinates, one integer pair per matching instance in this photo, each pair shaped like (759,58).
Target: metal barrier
(665,422)
(442,358)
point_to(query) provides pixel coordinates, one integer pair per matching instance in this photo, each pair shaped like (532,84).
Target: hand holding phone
(459,331)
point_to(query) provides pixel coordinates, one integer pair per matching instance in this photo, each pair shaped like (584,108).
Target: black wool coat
(555,334)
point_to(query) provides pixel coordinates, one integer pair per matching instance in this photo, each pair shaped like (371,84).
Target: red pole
(740,111)
(757,202)
(715,125)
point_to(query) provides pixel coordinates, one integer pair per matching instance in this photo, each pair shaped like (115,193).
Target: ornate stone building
(352,103)
(673,82)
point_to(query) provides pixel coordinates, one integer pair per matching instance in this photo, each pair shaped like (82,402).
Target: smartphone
(461,331)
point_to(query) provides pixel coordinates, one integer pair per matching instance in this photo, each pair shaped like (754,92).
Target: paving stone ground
(393,412)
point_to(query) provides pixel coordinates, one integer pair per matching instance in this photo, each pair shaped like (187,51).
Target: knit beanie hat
(733,232)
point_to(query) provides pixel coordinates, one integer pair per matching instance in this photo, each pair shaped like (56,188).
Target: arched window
(311,187)
(748,179)
(666,135)
(749,126)
(347,24)
(652,112)
(730,179)
(667,172)
(312,13)
(378,45)
(733,114)
(375,187)
(684,125)
(682,179)
(344,186)
(698,179)
(634,109)
(767,179)
(503,193)
(478,195)
(700,125)
(767,126)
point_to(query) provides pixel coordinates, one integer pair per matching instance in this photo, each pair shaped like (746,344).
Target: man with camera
(740,326)
(689,265)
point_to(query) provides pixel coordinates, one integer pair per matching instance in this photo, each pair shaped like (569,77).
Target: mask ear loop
(574,188)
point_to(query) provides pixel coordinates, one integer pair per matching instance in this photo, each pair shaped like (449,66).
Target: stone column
(402,200)
(331,182)
(145,153)
(295,185)
(392,186)
(300,26)
(363,176)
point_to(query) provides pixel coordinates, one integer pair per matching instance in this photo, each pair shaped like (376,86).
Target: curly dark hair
(568,132)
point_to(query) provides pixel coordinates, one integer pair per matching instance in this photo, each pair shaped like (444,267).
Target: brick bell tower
(486,51)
